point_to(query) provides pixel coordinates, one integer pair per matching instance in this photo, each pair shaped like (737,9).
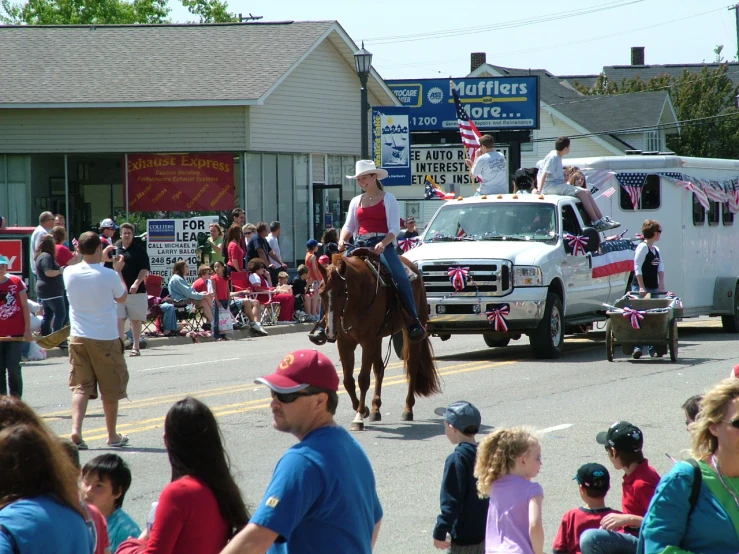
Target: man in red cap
(323,489)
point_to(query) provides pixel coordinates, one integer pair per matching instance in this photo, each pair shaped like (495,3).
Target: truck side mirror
(593,239)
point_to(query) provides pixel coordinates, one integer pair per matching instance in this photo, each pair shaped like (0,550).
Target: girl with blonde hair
(507,461)
(679,520)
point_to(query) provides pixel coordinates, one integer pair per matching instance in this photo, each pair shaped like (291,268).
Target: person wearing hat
(410,232)
(623,442)
(322,497)
(593,482)
(15,321)
(374,217)
(463,513)
(107,230)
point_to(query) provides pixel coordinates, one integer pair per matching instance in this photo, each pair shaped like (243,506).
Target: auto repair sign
(13,250)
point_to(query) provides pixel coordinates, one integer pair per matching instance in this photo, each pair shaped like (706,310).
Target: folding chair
(270,308)
(239,281)
(154,286)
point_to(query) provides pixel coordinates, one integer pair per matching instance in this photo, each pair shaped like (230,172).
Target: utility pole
(735,8)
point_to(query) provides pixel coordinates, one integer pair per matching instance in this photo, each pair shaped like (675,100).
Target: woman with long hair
(64,256)
(40,509)
(234,239)
(50,287)
(201,509)
(215,240)
(678,520)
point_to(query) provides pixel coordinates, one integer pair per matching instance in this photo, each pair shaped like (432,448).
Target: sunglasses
(734,423)
(248,233)
(658,231)
(288,397)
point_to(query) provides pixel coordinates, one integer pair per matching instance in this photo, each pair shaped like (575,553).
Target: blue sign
(491,103)
(161,231)
(391,143)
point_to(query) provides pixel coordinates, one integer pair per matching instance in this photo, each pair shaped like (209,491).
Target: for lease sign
(171,240)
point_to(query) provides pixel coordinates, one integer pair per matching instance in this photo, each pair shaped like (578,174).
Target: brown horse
(361,312)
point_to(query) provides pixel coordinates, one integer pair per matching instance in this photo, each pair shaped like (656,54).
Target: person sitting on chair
(374,218)
(180,291)
(259,281)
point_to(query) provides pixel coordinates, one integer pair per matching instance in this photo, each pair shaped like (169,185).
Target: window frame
(727,216)
(624,201)
(701,211)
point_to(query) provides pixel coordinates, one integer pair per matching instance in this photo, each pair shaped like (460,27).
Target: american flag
(608,193)
(613,257)
(732,192)
(432,191)
(468,130)
(714,191)
(633,183)
(597,178)
(695,189)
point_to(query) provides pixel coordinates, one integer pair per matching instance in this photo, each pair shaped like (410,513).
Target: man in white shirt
(95,349)
(490,167)
(274,234)
(45,224)
(551,180)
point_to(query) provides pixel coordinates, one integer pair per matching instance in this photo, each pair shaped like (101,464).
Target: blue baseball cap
(4,260)
(461,415)
(312,243)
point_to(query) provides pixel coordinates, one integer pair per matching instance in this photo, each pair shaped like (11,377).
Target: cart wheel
(673,341)
(609,341)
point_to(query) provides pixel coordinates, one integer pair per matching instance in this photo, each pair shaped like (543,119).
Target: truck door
(588,293)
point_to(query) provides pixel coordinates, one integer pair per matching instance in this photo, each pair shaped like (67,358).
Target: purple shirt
(507,530)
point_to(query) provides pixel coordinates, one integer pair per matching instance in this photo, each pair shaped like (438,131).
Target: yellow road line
(263,403)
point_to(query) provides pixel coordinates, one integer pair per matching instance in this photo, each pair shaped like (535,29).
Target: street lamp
(363,64)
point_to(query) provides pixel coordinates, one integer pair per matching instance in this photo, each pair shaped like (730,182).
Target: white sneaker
(610,224)
(600,225)
(258,329)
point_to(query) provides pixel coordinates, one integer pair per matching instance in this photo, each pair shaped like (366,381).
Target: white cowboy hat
(363,167)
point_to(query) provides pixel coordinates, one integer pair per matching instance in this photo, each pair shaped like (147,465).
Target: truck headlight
(527,276)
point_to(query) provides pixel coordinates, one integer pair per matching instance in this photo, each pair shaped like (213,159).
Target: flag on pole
(432,191)
(610,192)
(468,130)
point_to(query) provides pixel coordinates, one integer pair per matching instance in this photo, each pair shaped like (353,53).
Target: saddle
(372,260)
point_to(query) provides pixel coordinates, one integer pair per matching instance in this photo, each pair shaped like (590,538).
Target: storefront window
(15,180)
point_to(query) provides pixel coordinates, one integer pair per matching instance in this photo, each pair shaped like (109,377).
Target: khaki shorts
(563,190)
(135,308)
(98,364)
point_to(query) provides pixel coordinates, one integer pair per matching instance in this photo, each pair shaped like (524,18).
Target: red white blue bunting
(408,244)
(577,243)
(497,317)
(635,315)
(458,276)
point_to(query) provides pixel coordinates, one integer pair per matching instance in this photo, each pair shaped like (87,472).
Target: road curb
(155,342)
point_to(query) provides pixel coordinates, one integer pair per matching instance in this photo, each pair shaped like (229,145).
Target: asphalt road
(569,400)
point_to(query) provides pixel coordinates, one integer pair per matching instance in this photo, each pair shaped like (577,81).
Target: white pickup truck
(513,272)
(521,264)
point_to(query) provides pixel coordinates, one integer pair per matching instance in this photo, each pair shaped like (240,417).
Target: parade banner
(171,240)
(180,182)
(492,103)
(391,143)
(445,164)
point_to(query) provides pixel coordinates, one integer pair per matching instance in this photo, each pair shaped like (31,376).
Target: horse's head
(334,293)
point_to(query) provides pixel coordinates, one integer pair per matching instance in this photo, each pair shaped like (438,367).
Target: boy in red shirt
(624,442)
(15,321)
(594,482)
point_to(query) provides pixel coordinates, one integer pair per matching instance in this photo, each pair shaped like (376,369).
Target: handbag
(225,321)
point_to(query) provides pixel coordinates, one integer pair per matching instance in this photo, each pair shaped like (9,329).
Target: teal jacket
(669,529)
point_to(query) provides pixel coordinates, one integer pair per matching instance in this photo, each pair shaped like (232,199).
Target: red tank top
(373,219)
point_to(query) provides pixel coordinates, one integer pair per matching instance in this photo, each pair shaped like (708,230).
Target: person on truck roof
(489,167)
(551,180)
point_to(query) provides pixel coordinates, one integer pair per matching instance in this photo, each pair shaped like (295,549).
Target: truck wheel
(609,341)
(493,343)
(673,341)
(731,322)
(398,344)
(547,341)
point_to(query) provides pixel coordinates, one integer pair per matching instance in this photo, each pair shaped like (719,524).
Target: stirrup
(318,338)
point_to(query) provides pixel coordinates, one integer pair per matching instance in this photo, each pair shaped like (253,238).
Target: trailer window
(649,199)
(699,212)
(714,212)
(728,215)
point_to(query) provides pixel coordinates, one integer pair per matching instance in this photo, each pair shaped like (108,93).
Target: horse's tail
(419,356)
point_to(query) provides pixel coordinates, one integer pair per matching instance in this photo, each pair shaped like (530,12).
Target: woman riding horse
(374,218)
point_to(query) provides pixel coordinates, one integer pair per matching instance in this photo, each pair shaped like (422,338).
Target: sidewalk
(154,342)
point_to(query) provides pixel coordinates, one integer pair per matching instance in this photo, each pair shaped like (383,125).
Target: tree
(705,104)
(107,12)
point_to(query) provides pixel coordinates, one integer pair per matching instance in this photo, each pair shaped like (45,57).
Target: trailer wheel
(495,343)
(673,341)
(610,342)
(731,322)
(547,340)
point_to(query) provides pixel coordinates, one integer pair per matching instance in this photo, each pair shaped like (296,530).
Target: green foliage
(107,12)
(695,96)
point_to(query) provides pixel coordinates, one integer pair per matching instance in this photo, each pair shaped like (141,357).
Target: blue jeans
(169,317)
(391,261)
(10,361)
(600,541)
(54,309)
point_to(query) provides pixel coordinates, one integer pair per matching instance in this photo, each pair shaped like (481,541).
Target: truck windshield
(493,221)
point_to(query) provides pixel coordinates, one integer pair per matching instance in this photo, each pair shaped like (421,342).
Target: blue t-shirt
(40,525)
(120,527)
(322,497)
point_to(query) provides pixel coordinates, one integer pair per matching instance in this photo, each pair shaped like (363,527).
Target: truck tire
(547,341)
(495,343)
(731,322)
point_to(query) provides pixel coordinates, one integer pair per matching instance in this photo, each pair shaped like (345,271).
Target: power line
(498,26)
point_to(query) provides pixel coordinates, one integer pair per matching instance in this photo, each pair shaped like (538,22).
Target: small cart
(656,319)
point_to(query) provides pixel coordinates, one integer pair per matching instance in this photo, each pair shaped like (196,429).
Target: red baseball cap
(302,369)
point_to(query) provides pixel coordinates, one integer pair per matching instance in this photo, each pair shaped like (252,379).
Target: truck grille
(492,278)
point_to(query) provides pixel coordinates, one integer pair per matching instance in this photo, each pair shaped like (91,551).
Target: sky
(574,37)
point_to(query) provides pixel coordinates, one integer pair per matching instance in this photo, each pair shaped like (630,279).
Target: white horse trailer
(699,246)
